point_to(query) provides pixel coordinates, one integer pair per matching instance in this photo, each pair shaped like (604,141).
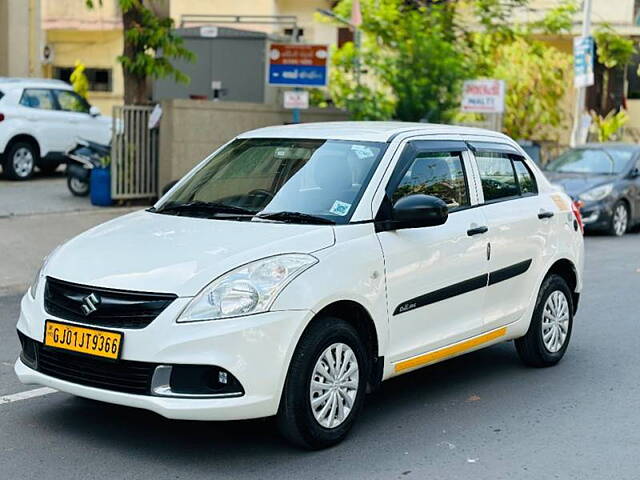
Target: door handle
(477,231)
(543,215)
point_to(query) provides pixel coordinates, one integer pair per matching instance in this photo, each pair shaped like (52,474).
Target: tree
(614,52)
(414,63)
(149,46)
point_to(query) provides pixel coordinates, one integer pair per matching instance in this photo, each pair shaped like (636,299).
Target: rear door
(519,230)
(436,276)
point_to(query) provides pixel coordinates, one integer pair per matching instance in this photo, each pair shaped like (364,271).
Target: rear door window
(497,175)
(40,98)
(526,180)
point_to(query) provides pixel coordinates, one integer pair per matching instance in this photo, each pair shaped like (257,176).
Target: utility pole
(577,133)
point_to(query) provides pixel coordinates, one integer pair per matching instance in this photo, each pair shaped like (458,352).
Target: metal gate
(134,154)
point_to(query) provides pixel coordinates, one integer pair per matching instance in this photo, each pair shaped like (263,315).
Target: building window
(290,32)
(100,79)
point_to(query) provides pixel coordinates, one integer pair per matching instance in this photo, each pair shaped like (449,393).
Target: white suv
(40,120)
(299,266)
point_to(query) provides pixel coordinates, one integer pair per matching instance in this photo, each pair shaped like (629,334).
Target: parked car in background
(299,266)
(40,120)
(605,179)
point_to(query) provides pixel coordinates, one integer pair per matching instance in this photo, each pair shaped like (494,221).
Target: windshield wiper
(209,208)
(295,217)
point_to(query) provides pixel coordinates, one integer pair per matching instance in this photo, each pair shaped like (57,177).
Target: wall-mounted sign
(483,96)
(583,62)
(298,65)
(209,31)
(296,99)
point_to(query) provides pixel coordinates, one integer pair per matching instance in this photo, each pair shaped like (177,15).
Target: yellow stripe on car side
(450,351)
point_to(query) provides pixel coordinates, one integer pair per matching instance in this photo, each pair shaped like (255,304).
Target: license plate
(92,341)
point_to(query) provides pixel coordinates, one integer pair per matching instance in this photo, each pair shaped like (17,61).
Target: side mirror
(94,111)
(416,211)
(635,173)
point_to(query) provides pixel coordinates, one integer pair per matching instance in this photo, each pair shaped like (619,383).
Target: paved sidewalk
(26,239)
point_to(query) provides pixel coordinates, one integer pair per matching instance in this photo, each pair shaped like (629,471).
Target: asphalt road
(480,416)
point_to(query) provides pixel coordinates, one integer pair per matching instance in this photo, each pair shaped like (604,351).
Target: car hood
(151,252)
(576,183)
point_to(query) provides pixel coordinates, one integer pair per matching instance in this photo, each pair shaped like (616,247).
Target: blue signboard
(296,65)
(583,53)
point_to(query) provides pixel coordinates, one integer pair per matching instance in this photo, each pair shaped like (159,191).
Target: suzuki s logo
(90,304)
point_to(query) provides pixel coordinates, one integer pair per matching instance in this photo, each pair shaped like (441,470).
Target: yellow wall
(96,49)
(20,38)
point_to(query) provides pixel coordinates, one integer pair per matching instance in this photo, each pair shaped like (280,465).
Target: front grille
(121,376)
(113,308)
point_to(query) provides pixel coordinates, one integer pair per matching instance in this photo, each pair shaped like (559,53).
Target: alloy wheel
(620,220)
(23,162)
(555,321)
(334,385)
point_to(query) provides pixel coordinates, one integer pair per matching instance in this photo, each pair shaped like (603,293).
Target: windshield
(593,161)
(273,178)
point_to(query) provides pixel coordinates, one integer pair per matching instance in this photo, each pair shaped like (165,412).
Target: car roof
(364,131)
(7,83)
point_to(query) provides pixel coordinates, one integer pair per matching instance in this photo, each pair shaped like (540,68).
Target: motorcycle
(83,158)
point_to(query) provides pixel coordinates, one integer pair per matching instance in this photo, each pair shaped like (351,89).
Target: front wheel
(619,219)
(77,186)
(20,161)
(325,386)
(548,336)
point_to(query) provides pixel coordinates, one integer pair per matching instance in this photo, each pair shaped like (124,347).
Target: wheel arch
(566,269)
(359,317)
(25,137)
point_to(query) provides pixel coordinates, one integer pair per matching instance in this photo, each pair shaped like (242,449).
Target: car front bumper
(597,215)
(255,349)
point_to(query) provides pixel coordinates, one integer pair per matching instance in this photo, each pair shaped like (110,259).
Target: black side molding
(509,272)
(463,287)
(443,294)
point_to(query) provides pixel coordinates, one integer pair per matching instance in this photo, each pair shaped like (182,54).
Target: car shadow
(129,431)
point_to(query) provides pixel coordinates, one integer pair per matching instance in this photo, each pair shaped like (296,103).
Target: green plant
(608,127)
(79,80)
(149,46)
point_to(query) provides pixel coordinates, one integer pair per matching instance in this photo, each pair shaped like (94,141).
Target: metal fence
(134,154)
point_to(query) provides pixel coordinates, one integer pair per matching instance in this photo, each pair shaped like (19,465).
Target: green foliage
(414,64)
(79,80)
(150,45)
(608,128)
(613,50)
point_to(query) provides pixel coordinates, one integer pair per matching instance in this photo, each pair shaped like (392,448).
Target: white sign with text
(296,99)
(483,96)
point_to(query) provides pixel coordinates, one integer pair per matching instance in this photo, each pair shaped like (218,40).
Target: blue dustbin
(101,187)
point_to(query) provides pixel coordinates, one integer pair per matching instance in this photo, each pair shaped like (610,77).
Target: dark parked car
(605,178)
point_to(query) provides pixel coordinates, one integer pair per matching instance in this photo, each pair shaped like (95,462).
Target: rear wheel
(20,161)
(325,385)
(619,220)
(77,186)
(548,336)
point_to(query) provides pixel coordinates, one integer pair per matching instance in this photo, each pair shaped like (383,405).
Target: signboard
(583,62)
(483,96)
(297,65)
(209,31)
(296,99)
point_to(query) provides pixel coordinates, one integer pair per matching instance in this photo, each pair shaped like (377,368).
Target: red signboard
(291,54)
(298,65)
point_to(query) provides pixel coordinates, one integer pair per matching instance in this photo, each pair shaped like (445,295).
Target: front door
(436,276)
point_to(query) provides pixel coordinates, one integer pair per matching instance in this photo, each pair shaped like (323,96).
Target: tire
(296,419)
(532,348)
(20,161)
(619,223)
(77,187)
(49,168)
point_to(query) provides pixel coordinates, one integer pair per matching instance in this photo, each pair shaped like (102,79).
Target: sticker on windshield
(362,151)
(340,208)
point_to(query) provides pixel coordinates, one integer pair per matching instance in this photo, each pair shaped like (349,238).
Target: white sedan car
(40,120)
(299,266)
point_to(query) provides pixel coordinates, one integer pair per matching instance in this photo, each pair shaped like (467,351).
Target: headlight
(249,289)
(597,193)
(33,289)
